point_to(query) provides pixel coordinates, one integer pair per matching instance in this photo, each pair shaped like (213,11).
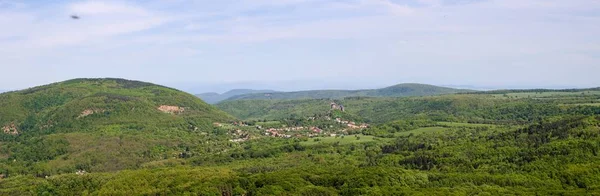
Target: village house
(272,132)
(277,133)
(242,124)
(316,130)
(351,124)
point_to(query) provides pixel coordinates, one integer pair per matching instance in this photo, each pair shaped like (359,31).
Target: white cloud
(548,5)
(434,3)
(53,27)
(392,7)
(473,36)
(98,7)
(12,4)
(375,6)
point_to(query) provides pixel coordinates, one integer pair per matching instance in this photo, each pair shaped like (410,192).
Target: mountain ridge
(398,90)
(213,97)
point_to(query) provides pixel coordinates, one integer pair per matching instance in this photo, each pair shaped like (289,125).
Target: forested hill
(83,103)
(98,125)
(213,98)
(400,90)
(70,138)
(463,108)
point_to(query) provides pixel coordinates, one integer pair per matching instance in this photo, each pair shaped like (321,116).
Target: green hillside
(273,109)
(213,98)
(458,144)
(460,108)
(98,125)
(554,157)
(400,90)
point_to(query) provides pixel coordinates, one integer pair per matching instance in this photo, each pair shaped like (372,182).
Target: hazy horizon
(285,86)
(205,46)
(298,85)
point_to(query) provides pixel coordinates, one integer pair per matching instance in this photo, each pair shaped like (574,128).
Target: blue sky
(202,45)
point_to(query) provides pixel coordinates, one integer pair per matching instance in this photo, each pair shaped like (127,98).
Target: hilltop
(400,90)
(213,97)
(74,104)
(99,125)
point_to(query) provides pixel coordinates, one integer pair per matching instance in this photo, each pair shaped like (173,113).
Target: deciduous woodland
(122,137)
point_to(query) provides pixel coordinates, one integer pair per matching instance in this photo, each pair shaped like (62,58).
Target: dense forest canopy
(117,137)
(460,108)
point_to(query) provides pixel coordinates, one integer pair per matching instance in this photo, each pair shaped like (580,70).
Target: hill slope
(456,107)
(99,124)
(555,157)
(213,98)
(434,145)
(74,104)
(400,90)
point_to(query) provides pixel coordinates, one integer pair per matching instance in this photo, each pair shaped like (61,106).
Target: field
(455,124)
(348,139)
(423,130)
(269,123)
(582,104)
(420,131)
(545,94)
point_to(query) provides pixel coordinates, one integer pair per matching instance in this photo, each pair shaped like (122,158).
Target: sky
(202,45)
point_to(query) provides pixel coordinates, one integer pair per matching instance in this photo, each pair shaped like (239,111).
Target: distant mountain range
(400,90)
(213,98)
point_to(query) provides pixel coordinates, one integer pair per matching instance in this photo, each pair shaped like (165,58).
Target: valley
(300,97)
(118,137)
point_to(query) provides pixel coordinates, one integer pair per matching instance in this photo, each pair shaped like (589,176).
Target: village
(312,131)
(240,131)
